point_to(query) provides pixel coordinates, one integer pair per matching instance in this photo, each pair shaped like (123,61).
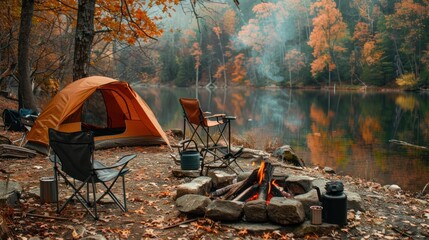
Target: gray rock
(256,211)
(221,179)
(286,153)
(308,199)
(200,186)
(307,228)
(224,210)
(186,173)
(320,183)
(285,211)
(329,170)
(192,204)
(10,192)
(305,181)
(243,175)
(354,201)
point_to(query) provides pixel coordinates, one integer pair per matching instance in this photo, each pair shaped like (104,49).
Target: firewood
(249,181)
(248,193)
(266,181)
(221,191)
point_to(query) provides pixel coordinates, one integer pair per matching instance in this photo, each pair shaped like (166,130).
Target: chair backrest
(192,110)
(74,151)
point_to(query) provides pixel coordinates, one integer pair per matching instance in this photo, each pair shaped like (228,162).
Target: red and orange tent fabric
(111,108)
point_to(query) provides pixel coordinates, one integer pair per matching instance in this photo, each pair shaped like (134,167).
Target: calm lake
(348,131)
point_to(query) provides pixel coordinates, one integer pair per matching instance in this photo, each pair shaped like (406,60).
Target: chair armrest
(230,117)
(216,115)
(123,161)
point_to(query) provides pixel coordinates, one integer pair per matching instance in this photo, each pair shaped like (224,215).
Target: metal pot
(334,203)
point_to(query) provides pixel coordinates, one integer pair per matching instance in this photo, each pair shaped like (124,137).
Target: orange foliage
(328,32)
(318,116)
(229,20)
(370,54)
(369,128)
(322,141)
(361,34)
(219,72)
(239,72)
(217,31)
(264,10)
(130,20)
(196,53)
(409,18)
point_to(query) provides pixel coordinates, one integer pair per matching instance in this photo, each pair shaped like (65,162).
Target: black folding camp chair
(74,158)
(217,143)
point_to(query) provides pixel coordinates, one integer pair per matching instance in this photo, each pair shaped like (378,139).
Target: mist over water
(349,132)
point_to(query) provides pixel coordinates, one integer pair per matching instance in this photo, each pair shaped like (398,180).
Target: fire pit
(260,197)
(260,185)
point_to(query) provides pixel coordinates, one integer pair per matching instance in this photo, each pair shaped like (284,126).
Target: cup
(316,215)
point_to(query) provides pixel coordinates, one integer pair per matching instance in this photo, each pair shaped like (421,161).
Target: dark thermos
(334,203)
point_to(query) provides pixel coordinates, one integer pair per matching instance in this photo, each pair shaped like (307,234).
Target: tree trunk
(83,39)
(25,91)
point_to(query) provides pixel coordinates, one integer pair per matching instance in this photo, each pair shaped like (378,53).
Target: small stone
(394,188)
(329,170)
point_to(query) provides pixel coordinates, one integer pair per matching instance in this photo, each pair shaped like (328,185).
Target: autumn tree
(26,97)
(196,53)
(408,29)
(239,71)
(124,20)
(294,62)
(327,37)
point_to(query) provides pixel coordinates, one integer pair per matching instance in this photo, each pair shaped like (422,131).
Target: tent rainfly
(115,112)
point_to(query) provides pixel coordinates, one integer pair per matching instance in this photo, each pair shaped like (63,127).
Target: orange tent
(115,112)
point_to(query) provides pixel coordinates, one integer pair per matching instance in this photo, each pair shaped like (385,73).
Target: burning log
(248,182)
(221,191)
(265,174)
(248,193)
(261,184)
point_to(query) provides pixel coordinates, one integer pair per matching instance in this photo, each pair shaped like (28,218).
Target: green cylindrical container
(190,160)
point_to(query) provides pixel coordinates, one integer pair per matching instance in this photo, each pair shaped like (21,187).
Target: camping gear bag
(12,120)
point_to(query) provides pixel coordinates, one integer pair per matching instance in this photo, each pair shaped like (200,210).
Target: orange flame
(261,173)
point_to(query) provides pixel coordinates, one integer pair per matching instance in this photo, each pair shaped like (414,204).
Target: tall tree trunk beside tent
(25,91)
(83,39)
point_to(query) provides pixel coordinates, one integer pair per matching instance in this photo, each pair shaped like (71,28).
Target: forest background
(286,43)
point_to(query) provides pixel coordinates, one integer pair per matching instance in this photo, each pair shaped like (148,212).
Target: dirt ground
(152,213)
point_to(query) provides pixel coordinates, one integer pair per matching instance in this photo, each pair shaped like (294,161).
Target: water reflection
(348,131)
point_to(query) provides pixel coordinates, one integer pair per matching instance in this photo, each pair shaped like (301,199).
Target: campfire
(260,185)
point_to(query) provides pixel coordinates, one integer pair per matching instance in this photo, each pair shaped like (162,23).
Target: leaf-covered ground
(152,213)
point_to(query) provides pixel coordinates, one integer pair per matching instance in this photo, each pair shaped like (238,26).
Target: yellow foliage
(406,80)
(407,103)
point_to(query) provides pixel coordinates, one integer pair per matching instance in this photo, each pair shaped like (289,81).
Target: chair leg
(112,196)
(124,194)
(94,190)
